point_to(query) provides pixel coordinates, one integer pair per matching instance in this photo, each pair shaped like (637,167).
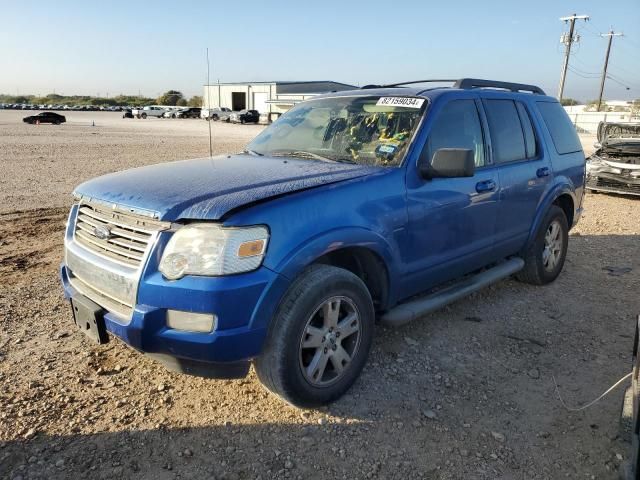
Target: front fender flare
(307,252)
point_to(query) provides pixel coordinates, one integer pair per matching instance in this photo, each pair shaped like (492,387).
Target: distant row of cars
(222,114)
(81,108)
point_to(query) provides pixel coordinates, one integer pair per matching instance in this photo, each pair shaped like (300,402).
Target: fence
(587,122)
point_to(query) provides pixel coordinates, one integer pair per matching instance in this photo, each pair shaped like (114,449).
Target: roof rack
(470,83)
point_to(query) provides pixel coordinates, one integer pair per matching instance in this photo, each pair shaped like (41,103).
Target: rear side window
(527,128)
(562,132)
(458,126)
(507,138)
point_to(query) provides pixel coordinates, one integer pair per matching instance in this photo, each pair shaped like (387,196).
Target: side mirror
(448,163)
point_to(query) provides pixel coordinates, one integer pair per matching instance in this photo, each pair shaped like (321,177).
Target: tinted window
(562,132)
(527,128)
(507,139)
(458,126)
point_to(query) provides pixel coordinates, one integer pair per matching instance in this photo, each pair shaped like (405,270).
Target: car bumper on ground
(242,305)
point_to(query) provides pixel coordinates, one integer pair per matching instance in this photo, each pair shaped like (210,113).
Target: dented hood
(209,188)
(615,132)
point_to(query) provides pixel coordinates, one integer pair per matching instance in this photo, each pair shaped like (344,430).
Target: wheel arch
(357,250)
(561,195)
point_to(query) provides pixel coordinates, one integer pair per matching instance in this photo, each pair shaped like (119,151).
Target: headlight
(209,249)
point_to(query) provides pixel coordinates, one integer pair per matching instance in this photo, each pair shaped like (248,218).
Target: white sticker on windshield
(401,102)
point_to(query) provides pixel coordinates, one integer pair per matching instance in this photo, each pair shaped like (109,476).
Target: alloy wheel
(330,341)
(552,246)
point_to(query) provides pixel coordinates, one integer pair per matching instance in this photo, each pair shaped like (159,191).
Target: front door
(452,221)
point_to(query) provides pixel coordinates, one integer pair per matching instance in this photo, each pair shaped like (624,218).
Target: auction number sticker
(401,102)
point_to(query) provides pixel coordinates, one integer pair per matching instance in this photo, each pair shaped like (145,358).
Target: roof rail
(469,83)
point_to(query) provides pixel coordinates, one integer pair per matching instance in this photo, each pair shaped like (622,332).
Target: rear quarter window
(562,131)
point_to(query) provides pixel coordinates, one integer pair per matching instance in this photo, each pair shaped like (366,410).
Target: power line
(568,39)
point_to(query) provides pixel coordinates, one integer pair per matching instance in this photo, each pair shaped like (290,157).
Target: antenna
(209,105)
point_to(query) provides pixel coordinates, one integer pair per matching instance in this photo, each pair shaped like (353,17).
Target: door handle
(486,186)
(543,172)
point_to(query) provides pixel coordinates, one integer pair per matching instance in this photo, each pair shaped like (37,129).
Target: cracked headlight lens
(210,250)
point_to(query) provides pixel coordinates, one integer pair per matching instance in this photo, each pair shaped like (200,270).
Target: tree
(592,106)
(195,101)
(171,98)
(182,103)
(567,102)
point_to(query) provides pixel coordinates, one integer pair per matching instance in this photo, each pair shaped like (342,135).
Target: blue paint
(425,232)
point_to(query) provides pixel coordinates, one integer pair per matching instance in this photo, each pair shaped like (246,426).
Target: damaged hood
(619,134)
(209,188)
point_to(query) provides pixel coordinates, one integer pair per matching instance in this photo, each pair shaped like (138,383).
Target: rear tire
(319,338)
(544,259)
(144,116)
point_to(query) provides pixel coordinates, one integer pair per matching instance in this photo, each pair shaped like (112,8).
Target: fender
(561,186)
(311,249)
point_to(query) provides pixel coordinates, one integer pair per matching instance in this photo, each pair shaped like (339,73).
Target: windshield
(364,130)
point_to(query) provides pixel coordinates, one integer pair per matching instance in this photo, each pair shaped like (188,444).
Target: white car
(172,112)
(215,113)
(150,111)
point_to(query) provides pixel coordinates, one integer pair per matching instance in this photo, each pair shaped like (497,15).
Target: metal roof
(296,87)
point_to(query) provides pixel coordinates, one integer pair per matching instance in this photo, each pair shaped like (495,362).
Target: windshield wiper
(345,160)
(253,152)
(302,154)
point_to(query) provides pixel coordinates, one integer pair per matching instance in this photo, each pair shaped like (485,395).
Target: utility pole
(568,39)
(611,34)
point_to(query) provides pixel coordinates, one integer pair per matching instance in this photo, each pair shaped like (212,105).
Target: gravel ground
(467,392)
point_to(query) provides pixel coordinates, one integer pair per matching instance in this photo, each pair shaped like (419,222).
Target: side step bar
(406,312)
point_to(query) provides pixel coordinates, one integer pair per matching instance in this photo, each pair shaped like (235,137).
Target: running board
(406,312)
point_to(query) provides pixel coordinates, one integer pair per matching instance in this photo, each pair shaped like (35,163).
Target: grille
(128,235)
(613,185)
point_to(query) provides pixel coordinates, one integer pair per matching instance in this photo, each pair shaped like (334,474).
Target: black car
(127,113)
(245,116)
(45,117)
(193,112)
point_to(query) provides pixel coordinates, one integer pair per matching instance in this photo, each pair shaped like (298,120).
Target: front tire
(319,339)
(545,256)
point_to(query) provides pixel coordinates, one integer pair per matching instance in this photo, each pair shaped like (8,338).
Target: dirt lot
(465,393)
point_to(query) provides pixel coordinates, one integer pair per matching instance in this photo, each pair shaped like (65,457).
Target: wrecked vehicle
(615,165)
(355,207)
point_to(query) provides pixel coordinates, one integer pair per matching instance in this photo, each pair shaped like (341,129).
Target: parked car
(171,113)
(150,111)
(127,113)
(615,165)
(215,113)
(354,207)
(245,116)
(191,112)
(45,117)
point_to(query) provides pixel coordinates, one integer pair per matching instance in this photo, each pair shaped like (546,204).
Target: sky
(134,46)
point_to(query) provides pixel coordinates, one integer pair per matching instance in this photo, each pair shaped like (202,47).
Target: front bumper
(244,305)
(612,183)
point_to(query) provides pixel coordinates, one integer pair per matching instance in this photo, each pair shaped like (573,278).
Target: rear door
(523,167)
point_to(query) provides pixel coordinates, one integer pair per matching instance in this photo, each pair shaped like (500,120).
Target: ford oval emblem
(102,232)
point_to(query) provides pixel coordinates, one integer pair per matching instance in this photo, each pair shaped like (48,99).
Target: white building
(269,98)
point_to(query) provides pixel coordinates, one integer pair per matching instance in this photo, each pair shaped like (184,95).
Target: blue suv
(353,208)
